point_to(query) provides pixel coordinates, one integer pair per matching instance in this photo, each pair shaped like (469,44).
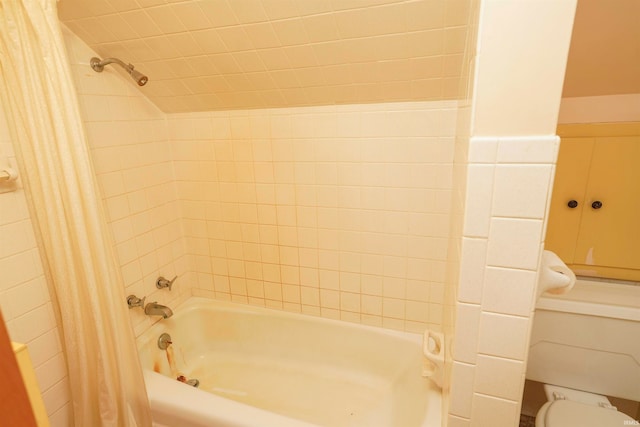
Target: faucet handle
(134,301)
(164,283)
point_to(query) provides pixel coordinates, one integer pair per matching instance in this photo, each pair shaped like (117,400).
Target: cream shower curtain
(106,380)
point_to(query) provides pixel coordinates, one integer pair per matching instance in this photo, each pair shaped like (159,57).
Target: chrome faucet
(155,309)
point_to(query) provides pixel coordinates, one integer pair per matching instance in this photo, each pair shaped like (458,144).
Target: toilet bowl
(568,408)
(583,348)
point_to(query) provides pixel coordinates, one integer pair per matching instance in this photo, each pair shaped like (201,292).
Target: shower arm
(98,65)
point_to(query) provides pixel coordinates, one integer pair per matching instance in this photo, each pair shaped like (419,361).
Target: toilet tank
(589,339)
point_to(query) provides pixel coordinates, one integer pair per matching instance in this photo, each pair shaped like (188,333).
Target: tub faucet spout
(155,309)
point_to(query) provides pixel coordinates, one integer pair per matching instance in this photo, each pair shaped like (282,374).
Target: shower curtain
(106,382)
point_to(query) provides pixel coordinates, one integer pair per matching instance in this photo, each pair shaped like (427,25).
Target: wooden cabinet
(594,218)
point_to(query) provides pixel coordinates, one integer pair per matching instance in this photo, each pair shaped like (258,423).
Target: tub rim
(195,302)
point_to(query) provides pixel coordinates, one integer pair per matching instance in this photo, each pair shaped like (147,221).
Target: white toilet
(584,347)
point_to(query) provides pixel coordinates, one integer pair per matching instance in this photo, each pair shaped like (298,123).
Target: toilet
(566,408)
(584,347)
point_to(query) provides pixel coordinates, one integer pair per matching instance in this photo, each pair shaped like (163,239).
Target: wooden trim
(15,406)
(598,129)
(605,272)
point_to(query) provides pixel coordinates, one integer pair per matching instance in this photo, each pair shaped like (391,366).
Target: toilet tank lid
(596,298)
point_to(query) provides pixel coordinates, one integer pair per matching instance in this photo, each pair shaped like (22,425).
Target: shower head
(98,66)
(140,78)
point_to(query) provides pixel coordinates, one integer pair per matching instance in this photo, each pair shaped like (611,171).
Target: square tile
(491,411)
(509,291)
(521,191)
(483,150)
(530,149)
(467,333)
(462,383)
(499,377)
(514,243)
(504,336)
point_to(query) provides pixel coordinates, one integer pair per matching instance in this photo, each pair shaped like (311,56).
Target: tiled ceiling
(226,54)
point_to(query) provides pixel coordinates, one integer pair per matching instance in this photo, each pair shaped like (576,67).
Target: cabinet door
(570,184)
(609,235)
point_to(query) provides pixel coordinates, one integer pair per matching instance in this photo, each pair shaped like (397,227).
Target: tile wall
(24,295)
(337,211)
(509,179)
(458,197)
(508,188)
(131,154)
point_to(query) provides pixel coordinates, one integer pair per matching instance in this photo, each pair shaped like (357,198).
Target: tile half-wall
(509,185)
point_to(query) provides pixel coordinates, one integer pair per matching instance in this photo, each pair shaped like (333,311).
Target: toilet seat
(567,413)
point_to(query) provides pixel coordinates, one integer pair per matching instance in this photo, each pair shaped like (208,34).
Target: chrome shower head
(98,65)
(140,78)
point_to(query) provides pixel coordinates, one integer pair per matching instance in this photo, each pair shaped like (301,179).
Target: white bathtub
(260,367)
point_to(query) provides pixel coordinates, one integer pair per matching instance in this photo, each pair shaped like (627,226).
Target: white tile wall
(501,249)
(132,158)
(24,296)
(503,289)
(338,211)
(334,211)
(503,230)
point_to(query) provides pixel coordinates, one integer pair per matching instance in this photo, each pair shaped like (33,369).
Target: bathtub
(260,367)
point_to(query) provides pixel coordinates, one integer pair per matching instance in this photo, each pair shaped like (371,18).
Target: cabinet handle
(596,205)
(572,204)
